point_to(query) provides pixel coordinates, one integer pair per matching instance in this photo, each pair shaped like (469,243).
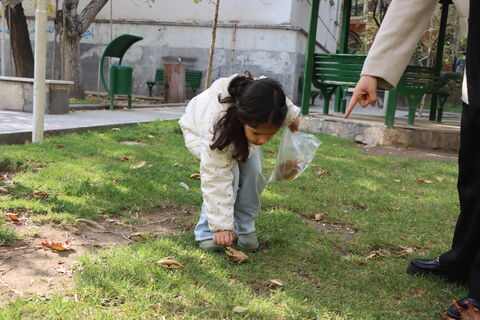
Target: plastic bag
(296,151)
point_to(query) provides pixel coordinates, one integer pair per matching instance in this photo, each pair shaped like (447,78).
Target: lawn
(379,213)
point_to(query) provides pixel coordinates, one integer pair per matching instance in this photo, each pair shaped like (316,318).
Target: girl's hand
(223,238)
(294,125)
(365,93)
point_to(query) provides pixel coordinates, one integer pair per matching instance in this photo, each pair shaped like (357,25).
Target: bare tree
(72,25)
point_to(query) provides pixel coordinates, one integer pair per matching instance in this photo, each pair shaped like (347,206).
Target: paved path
(16,127)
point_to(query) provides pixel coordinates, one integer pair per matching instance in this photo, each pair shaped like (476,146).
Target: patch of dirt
(343,230)
(28,269)
(414,153)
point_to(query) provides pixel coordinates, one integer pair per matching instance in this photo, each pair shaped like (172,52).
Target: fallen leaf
(142,235)
(117,180)
(169,263)
(375,255)
(322,172)
(40,195)
(59,146)
(439,179)
(320,216)
(236,255)
(396,180)
(140,164)
(272,153)
(198,160)
(12,217)
(276,282)
(151,136)
(124,158)
(178,165)
(405,251)
(195,176)
(4,190)
(57,245)
(239,309)
(165,187)
(115,129)
(422,180)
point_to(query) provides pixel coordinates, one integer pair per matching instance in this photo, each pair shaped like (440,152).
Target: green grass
(324,276)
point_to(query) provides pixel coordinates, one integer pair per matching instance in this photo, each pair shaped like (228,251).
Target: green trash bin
(120,81)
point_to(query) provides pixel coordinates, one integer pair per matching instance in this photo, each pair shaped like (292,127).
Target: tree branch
(90,12)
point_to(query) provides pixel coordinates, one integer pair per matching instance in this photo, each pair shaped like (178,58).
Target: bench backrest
(159,77)
(193,78)
(418,79)
(341,69)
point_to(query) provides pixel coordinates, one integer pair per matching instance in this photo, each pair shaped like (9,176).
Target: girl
(224,127)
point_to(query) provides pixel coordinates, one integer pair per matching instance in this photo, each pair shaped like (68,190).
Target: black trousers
(463,260)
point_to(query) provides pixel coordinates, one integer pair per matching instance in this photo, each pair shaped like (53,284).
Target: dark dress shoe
(426,266)
(452,311)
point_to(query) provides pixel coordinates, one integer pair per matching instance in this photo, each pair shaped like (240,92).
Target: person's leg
(247,204)
(464,254)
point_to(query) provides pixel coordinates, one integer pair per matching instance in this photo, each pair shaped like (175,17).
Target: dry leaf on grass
(140,164)
(178,165)
(239,309)
(142,235)
(169,263)
(40,195)
(471,313)
(439,179)
(320,216)
(236,255)
(124,158)
(151,136)
(375,255)
(396,180)
(117,180)
(59,146)
(276,282)
(115,129)
(195,176)
(4,190)
(57,245)
(322,172)
(405,251)
(12,217)
(423,180)
(272,153)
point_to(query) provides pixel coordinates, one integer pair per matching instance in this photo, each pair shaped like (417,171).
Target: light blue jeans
(248,184)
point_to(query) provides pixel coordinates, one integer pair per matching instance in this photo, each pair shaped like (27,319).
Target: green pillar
(309,57)
(439,57)
(343,48)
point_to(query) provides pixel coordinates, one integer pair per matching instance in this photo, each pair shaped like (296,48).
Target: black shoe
(452,311)
(426,266)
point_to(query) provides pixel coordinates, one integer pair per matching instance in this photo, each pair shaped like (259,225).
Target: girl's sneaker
(248,241)
(210,245)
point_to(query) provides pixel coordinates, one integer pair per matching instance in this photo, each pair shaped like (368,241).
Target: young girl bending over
(224,127)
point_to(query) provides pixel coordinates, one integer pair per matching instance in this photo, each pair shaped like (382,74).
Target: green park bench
(333,71)
(417,81)
(159,79)
(192,79)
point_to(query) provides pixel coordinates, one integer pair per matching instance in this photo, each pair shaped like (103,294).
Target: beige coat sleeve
(217,186)
(392,49)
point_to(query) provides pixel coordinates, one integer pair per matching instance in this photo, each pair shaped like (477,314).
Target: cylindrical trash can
(121,80)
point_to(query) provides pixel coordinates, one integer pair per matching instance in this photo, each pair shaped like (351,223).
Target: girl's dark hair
(252,102)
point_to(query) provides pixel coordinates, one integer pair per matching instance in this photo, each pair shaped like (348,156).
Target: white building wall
(263,36)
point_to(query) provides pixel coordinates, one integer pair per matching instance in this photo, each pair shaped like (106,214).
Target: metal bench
(193,79)
(333,71)
(159,79)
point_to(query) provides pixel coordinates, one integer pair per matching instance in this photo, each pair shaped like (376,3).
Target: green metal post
(312,36)
(439,56)
(391,106)
(343,48)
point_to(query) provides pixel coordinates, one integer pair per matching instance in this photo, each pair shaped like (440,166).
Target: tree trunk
(20,41)
(72,26)
(71,67)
